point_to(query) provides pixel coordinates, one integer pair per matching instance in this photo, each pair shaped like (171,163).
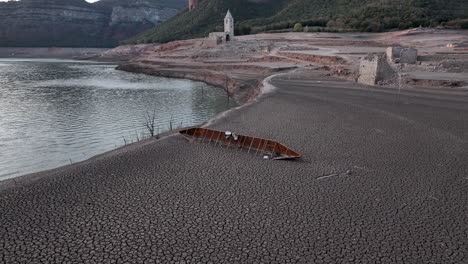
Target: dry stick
(170,123)
(149,122)
(227,89)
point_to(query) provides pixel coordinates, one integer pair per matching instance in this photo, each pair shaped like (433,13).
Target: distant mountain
(77,23)
(265,15)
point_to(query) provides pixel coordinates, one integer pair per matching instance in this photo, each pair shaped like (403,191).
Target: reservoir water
(54,112)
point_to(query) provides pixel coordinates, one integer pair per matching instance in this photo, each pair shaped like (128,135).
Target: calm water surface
(53,112)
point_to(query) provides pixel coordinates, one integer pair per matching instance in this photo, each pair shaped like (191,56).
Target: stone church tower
(216,38)
(229,26)
(192,4)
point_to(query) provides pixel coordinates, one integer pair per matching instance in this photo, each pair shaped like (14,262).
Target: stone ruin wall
(374,69)
(402,55)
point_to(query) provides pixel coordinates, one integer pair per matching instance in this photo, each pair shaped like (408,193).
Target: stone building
(229,26)
(216,38)
(375,69)
(402,55)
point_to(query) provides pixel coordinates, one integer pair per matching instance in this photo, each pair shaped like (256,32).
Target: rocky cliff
(73,23)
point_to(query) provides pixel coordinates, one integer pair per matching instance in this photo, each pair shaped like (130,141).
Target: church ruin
(216,38)
(375,69)
(402,55)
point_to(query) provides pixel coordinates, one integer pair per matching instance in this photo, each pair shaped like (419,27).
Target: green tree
(298,27)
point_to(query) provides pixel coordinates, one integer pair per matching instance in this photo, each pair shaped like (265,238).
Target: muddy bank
(243,88)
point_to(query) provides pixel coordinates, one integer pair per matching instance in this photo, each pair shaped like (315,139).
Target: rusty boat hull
(268,148)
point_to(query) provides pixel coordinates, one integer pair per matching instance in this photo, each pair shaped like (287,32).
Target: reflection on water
(53,112)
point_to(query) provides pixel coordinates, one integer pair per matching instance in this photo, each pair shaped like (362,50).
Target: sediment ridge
(242,89)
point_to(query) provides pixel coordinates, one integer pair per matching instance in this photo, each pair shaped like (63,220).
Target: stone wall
(215,38)
(402,55)
(375,69)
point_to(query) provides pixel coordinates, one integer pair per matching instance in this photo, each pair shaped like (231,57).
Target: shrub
(298,27)
(373,27)
(331,24)
(464,24)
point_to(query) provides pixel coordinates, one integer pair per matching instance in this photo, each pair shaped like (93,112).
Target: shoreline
(35,176)
(49,52)
(241,92)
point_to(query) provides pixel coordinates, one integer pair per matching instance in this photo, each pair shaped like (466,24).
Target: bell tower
(229,26)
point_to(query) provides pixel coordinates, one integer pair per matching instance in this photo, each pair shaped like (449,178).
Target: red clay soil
(245,68)
(271,59)
(324,60)
(433,83)
(353,43)
(220,67)
(174,45)
(341,71)
(173,57)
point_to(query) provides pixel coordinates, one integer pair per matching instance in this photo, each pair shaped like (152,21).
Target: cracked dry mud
(170,201)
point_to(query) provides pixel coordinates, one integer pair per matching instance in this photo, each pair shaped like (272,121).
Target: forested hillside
(258,16)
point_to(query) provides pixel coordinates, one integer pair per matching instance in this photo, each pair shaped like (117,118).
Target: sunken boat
(269,149)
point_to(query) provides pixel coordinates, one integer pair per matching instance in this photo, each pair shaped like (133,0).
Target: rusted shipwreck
(269,149)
